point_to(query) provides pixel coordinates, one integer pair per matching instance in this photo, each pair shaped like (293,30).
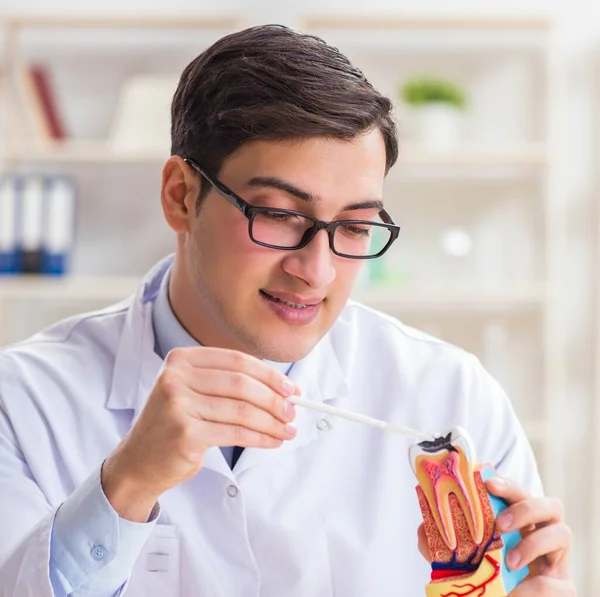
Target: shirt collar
(169,333)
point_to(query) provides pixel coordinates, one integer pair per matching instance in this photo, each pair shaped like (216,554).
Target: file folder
(9,255)
(59,224)
(31,201)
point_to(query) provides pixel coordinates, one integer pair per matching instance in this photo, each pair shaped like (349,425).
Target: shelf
(103,21)
(525,155)
(441,302)
(431,34)
(450,21)
(109,288)
(77,36)
(82,151)
(470,163)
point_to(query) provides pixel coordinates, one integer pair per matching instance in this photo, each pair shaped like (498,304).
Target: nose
(314,263)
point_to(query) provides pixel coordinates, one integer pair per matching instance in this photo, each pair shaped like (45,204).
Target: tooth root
(474,514)
(443,472)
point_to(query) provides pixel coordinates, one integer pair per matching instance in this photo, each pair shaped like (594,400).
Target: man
(121,430)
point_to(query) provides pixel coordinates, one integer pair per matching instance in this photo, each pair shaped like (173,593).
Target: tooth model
(459,516)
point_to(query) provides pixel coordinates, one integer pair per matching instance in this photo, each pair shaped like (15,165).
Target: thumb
(423,544)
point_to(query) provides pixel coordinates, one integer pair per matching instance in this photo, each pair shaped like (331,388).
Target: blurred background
(496,187)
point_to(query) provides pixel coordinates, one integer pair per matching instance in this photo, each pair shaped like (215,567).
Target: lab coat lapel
(321,379)
(137,366)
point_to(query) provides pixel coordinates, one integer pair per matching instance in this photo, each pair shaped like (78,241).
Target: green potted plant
(437,106)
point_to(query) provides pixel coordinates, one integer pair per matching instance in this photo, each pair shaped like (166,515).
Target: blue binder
(58,234)
(31,202)
(9,214)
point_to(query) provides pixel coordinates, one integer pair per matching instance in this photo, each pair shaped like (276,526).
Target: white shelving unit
(111,40)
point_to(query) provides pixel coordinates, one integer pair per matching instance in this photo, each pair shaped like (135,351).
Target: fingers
(233,360)
(553,542)
(534,511)
(222,434)
(506,489)
(236,398)
(243,387)
(239,413)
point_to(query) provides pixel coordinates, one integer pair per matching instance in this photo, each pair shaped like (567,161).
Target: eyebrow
(276,183)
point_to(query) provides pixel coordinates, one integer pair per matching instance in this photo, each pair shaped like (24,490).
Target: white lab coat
(333,512)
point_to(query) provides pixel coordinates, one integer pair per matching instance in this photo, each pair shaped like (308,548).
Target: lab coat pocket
(156,570)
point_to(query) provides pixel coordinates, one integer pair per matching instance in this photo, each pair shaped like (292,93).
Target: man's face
(239,285)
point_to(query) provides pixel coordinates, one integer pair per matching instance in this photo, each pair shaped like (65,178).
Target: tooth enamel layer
(293,305)
(441,474)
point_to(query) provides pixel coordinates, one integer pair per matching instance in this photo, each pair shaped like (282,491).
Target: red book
(47,100)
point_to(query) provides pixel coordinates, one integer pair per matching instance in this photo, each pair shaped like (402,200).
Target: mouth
(298,304)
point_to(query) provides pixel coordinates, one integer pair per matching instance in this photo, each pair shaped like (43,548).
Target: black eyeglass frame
(250,211)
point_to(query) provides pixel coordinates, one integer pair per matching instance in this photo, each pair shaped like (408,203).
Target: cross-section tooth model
(459,515)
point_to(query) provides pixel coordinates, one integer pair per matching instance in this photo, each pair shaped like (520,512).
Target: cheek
(238,261)
(347,272)
(221,238)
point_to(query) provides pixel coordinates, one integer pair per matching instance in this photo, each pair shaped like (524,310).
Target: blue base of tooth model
(510,578)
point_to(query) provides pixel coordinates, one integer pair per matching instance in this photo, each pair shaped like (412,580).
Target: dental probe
(358,418)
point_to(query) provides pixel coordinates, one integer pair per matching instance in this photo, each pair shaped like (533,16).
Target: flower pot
(438,127)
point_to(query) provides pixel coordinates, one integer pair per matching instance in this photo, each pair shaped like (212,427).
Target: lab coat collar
(137,366)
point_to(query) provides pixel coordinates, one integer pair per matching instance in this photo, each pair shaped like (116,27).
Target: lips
(292,300)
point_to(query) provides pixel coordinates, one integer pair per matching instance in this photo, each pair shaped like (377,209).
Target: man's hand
(546,544)
(204,397)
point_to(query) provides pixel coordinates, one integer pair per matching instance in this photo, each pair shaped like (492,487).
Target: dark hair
(270,82)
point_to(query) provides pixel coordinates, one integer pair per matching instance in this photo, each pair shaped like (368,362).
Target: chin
(283,349)
(286,354)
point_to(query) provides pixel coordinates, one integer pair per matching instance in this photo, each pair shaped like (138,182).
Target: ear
(179,191)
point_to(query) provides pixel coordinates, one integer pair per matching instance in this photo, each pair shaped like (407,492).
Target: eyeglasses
(290,230)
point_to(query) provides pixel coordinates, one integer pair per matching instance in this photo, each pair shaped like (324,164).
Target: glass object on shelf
(457,247)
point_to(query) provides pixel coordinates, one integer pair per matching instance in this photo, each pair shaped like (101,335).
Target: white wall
(579,41)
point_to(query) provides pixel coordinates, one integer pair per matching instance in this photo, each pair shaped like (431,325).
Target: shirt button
(322,424)
(98,552)
(232,491)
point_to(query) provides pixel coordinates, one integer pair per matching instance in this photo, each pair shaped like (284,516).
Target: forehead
(321,166)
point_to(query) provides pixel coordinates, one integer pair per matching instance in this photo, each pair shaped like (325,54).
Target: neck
(190,308)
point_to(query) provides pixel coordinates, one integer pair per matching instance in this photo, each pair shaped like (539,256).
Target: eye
(356,230)
(277,216)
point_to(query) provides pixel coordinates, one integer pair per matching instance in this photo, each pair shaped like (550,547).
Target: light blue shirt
(92,550)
